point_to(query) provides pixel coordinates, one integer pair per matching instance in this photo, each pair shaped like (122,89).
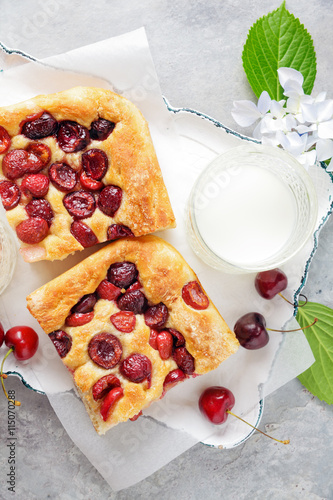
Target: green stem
(16,403)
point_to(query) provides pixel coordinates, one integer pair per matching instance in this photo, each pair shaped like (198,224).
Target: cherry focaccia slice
(130,322)
(76,168)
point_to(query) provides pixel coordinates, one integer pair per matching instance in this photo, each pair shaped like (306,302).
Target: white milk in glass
(247,216)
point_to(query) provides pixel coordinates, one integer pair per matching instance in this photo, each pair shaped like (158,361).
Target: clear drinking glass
(8,255)
(252,209)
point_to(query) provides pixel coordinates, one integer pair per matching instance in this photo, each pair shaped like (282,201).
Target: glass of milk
(252,209)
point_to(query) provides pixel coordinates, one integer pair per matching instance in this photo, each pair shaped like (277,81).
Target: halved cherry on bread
(5,140)
(62,342)
(10,194)
(105,350)
(194,296)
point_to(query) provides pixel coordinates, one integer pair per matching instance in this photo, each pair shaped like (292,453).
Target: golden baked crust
(133,166)
(163,273)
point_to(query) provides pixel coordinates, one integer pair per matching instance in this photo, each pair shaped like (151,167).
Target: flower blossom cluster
(300,124)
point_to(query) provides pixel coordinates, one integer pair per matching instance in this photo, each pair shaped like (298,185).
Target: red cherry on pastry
(136,368)
(109,402)
(156,316)
(105,350)
(214,403)
(36,185)
(10,194)
(72,136)
(95,163)
(41,150)
(164,342)
(116,231)
(122,274)
(63,176)
(62,342)
(104,385)
(134,301)
(101,129)
(4,140)
(184,360)
(83,233)
(270,283)
(23,340)
(109,199)
(39,125)
(173,378)
(108,291)
(124,321)
(194,296)
(32,230)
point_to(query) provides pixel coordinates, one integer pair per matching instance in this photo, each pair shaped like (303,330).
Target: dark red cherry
(122,274)
(251,332)
(134,301)
(104,385)
(36,185)
(116,231)
(95,163)
(136,368)
(270,283)
(24,341)
(42,151)
(62,342)
(63,176)
(40,208)
(157,315)
(109,200)
(83,233)
(4,140)
(39,125)
(32,230)
(72,136)
(184,360)
(80,204)
(215,402)
(85,304)
(101,129)
(105,350)
(10,194)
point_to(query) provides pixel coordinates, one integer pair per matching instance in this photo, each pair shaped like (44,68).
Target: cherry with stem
(216,403)
(252,333)
(23,343)
(271,283)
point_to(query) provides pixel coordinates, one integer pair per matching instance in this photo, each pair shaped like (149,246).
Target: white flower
(245,113)
(300,124)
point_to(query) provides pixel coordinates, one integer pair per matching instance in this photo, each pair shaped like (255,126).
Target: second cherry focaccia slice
(129,322)
(77,168)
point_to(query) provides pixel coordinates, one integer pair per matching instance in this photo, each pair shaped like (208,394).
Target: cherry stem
(301,295)
(286,441)
(4,376)
(295,330)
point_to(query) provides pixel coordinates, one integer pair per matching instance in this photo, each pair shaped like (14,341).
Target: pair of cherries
(22,342)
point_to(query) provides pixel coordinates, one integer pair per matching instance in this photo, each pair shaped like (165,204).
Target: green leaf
(318,379)
(274,41)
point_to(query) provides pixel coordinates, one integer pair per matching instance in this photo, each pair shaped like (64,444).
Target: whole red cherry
(270,283)
(215,402)
(23,340)
(2,334)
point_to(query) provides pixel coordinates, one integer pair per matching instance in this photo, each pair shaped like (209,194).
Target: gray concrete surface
(196,46)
